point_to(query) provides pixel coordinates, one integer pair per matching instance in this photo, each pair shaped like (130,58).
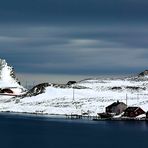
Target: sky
(61,40)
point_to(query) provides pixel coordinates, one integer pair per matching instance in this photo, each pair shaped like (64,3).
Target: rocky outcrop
(40,88)
(144,73)
(36,90)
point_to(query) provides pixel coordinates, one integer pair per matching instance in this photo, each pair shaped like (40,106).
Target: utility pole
(26,85)
(73,98)
(73,95)
(137,98)
(126,99)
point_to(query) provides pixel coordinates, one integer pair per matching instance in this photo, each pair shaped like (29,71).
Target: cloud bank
(66,37)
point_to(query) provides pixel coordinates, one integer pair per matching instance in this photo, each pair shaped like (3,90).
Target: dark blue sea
(25,131)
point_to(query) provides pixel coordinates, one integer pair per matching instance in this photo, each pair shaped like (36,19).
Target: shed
(116,108)
(133,112)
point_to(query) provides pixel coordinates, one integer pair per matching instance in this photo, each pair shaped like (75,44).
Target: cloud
(75,49)
(65,10)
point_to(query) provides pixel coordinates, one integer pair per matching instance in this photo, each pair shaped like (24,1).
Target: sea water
(25,131)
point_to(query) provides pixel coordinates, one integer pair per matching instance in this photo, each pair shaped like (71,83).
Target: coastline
(65,117)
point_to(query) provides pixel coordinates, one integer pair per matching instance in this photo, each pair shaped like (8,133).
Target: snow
(146,76)
(141,116)
(118,116)
(7,81)
(93,97)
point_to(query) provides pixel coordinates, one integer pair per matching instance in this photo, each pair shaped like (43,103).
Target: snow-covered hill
(91,95)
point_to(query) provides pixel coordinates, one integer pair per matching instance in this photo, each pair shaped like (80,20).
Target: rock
(144,73)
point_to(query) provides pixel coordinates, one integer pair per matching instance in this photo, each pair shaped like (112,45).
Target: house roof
(133,108)
(115,104)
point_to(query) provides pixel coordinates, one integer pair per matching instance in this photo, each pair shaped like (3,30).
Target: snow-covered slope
(87,96)
(93,96)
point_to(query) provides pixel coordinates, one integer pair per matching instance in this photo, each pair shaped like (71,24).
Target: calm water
(18,131)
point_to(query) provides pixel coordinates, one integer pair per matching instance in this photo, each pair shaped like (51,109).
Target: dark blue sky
(74,37)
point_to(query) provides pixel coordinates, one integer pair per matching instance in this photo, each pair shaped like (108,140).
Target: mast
(126,99)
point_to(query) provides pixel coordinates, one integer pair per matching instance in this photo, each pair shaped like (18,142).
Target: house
(116,108)
(133,112)
(71,82)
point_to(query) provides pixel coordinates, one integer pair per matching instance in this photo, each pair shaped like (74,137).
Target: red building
(133,112)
